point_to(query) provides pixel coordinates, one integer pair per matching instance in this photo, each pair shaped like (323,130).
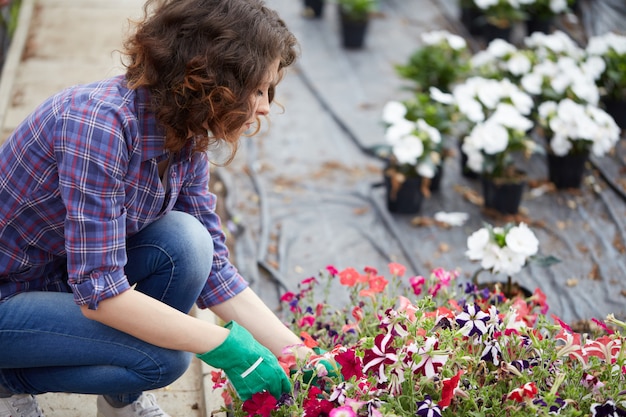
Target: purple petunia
(428,408)
(472,321)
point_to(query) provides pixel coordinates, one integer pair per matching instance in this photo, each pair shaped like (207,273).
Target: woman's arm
(157,323)
(247,309)
(154,322)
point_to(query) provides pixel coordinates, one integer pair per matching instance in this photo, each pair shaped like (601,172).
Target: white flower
(433,134)
(518,64)
(436,37)
(426,169)
(441,97)
(399,130)
(499,48)
(569,121)
(507,115)
(476,244)
(520,243)
(485,4)
(452,219)
(494,136)
(521,239)
(558,6)
(393,112)
(532,83)
(408,149)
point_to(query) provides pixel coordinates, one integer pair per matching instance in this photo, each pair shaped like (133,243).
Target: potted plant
(354,17)
(408,345)
(561,69)
(499,132)
(498,17)
(611,48)
(573,131)
(441,62)
(414,155)
(504,251)
(541,13)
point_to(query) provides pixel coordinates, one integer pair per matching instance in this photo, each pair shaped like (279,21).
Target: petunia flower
(417,283)
(431,359)
(349,277)
(428,408)
(473,321)
(449,386)
(343,411)
(523,393)
(381,355)
(308,340)
(332,270)
(351,365)
(396,269)
(607,409)
(260,404)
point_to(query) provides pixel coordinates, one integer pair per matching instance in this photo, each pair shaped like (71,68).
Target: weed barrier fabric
(306,193)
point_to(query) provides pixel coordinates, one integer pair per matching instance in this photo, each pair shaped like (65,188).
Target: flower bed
(438,346)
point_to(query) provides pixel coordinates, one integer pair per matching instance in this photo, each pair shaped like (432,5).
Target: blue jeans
(47,345)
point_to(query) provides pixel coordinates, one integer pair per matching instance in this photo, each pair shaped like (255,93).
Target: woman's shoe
(20,405)
(144,406)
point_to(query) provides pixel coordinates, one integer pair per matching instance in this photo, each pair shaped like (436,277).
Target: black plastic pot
(567,171)
(504,197)
(314,8)
(406,198)
(353,31)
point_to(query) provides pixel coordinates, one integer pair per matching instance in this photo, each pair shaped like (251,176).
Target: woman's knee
(172,365)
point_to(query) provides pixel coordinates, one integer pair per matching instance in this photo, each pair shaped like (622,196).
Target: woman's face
(261,100)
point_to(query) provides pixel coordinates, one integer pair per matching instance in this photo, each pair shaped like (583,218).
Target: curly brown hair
(202,60)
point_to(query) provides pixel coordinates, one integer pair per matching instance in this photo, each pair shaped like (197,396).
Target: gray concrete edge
(14,56)
(213,402)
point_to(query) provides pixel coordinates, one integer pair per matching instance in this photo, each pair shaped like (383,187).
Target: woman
(108,232)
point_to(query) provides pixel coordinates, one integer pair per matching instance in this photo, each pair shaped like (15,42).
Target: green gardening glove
(333,369)
(249,366)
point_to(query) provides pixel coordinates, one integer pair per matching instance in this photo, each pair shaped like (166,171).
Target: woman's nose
(264,106)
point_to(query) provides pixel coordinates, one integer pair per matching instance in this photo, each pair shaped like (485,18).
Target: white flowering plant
(574,128)
(498,112)
(502,59)
(611,48)
(547,8)
(440,62)
(414,147)
(502,13)
(561,69)
(504,250)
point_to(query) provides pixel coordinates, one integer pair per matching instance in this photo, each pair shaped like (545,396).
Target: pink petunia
(397,269)
(332,270)
(343,411)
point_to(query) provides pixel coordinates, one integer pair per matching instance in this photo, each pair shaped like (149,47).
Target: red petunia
(351,365)
(378,283)
(449,385)
(526,391)
(308,340)
(260,404)
(349,277)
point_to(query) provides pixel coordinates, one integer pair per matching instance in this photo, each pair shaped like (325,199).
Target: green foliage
(358,9)
(435,66)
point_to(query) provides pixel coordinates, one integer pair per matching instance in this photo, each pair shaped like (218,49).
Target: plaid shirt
(78,177)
